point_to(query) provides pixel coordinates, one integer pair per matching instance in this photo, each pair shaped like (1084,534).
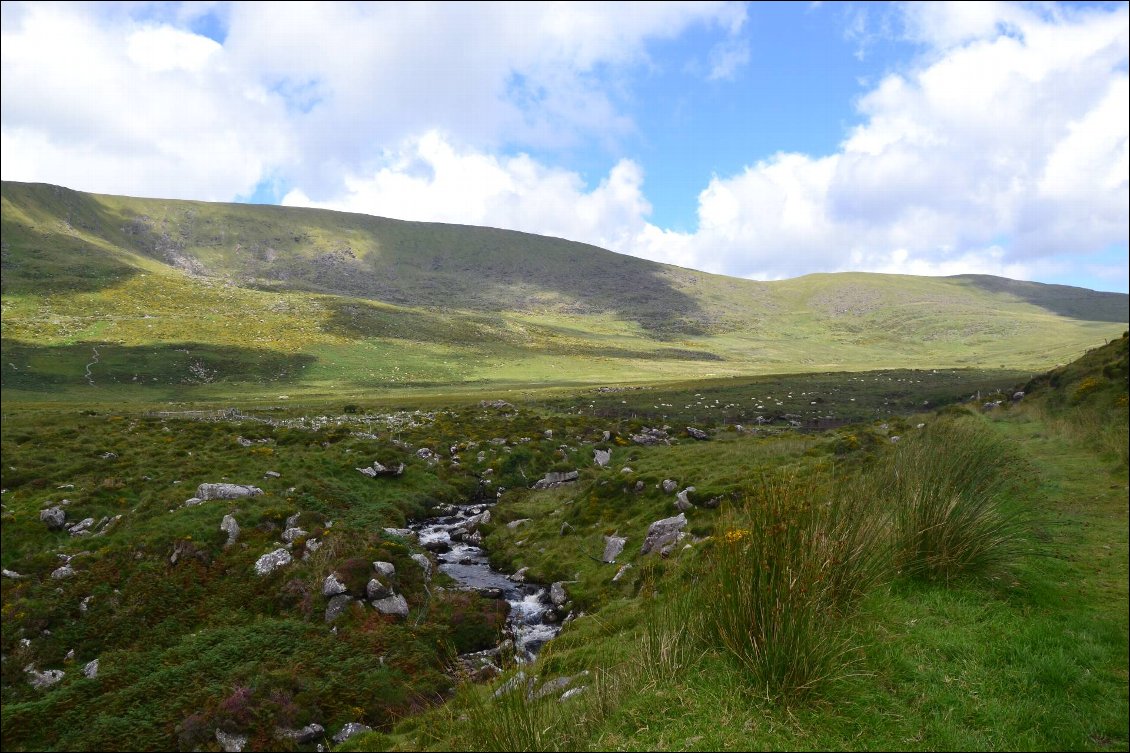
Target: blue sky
(766,140)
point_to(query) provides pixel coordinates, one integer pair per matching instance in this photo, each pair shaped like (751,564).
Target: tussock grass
(947,488)
(788,569)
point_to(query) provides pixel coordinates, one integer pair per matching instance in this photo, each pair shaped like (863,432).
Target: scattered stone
(90,670)
(519,576)
(192,502)
(512,684)
(10,573)
(231,528)
(331,586)
(1019,395)
(375,590)
(72,486)
(41,680)
(627,469)
(425,454)
(110,523)
(395,605)
(272,474)
(669,485)
(109,456)
(439,546)
(682,500)
(606,436)
(602,457)
(651,437)
(54,517)
(230,743)
(895,439)
(515,523)
(387,569)
(613,546)
(226,491)
(572,692)
(307,734)
(370,472)
(620,573)
(424,563)
(337,606)
(84,605)
(244,442)
(494,404)
(552,480)
(402,532)
(272,561)
(557,594)
(380,470)
(62,573)
(712,503)
(698,434)
(639,487)
(291,535)
(349,730)
(80,528)
(663,533)
(491,592)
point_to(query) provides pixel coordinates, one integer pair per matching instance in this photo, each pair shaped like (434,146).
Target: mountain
(205,300)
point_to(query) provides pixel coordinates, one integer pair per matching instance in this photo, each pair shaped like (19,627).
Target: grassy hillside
(103,295)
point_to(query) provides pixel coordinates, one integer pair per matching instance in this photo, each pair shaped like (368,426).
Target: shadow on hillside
(52,368)
(1065,300)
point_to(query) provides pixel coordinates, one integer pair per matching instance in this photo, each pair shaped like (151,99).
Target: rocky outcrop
(349,730)
(651,437)
(231,528)
(698,434)
(307,734)
(226,491)
(45,679)
(331,586)
(337,606)
(386,569)
(230,743)
(602,457)
(613,546)
(272,561)
(662,535)
(62,573)
(553,480)
(54,517)
(395,605)
(683,501)
(90,669)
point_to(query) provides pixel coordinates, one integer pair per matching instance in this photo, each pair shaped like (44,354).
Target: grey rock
(337,606)
(312,545)
(712,503)
(639,487)
(511,685)
(698,434)
(669,485)
(424,563)
(230,743)
(331,586)
(41,680)
(620,573)
(1019,395)
(66,571)
(395,605)
(439,546)
(515,523)
(386,569)
(375,590)
(613,545)
(109,456)
(272,474)
(80,528)
(602,457)
(370,472)
(231,528)
(192,502)
(226,491)
(553,479)
(349,730)
(551,687)
(663,532)
(244,442)
(54,517)
(292,521)
(405,533)
(307,734)
(380,470)
(572,692)
(682,499)
(519,576)
(290,535)
(90,669)
(895,439)
(272,561)
(425,454)
(10,573)
(557,594)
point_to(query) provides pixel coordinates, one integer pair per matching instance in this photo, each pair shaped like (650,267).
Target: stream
(468,564)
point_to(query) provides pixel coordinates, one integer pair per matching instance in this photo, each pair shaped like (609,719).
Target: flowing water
(468,564)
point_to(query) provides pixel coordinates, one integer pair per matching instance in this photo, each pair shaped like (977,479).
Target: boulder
(553,479)
(395,605)
(41,680)
(620,573)
(386,569)
(518,522)
(90,669)
(226,491)
(663,533)
(337,606)
(682,499)
(424,563)
(272,474)
(231,528)
(698,434)
(375,590)
(54,517)
(370,472)
(272,561)
(669,485)
(349,730)
(10,573)
(230,743)
(331,586)
(557,594)
(439,546)
(572,692)
(307,734)
(62,573)
(613,545)
(519,576)
(81,528)
(291,535)
(602,457)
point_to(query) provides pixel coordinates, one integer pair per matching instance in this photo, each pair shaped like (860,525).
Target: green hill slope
(205,301)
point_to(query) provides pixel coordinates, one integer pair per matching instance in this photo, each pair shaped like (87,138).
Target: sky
(757,140)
